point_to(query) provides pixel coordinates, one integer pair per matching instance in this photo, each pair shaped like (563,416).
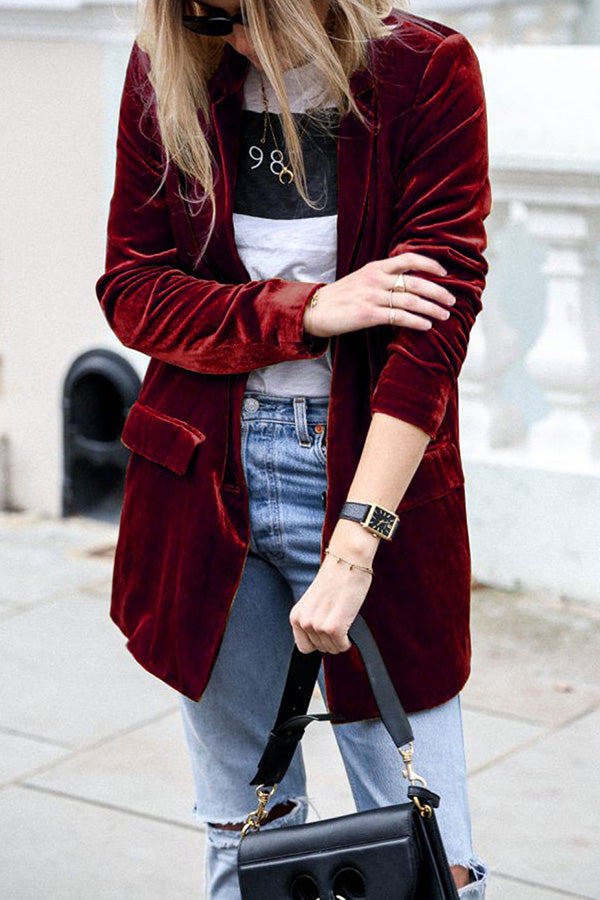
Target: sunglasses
(214,23)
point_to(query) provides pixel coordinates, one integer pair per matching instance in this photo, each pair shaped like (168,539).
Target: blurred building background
(530,388)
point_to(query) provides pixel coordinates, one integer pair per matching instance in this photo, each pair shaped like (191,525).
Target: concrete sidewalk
(96,786)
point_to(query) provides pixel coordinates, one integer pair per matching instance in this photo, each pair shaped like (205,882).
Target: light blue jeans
(284,455)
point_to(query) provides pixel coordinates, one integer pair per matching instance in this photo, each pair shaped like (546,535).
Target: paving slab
(489,737)
(508,889)
(101,588)
(57,848)
(532,661)
(42,558)
(535,814)
(146,770)
(73,528)
(8,609)
(20,755)
(103,788)
(31,575)
(66,675)
(15,521)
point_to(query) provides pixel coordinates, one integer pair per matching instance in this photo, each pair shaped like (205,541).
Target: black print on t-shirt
(258,190)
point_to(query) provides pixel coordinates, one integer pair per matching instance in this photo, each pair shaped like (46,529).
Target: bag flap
(389,823)
(373,853)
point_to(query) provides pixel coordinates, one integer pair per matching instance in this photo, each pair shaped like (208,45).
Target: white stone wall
(59,102)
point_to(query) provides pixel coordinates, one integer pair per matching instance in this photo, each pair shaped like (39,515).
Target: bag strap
(292,718)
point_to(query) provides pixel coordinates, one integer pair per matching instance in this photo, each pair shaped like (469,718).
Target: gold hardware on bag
(425,811)
(258,815)
(408,772)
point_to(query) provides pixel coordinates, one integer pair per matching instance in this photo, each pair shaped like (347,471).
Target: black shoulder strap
(292,718)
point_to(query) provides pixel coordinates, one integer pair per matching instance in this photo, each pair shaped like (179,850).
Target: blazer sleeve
(444,196)
(149,299)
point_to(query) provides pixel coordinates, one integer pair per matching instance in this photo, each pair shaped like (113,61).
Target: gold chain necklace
(285,172)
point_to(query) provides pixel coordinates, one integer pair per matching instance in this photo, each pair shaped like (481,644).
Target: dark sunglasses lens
(213,26)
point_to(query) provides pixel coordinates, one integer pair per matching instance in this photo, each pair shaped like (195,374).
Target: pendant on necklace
(289,173)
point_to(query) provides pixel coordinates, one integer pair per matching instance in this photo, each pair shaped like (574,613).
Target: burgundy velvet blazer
(415,179)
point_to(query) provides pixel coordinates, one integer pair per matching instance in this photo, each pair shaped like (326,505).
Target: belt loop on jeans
(304,437)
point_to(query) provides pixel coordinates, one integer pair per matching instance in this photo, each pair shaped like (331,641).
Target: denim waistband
(302,412)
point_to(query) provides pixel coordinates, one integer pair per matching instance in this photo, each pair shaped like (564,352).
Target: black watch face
(381,521)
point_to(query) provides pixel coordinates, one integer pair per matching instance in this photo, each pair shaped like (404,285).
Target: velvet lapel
(355,150)
(355,153)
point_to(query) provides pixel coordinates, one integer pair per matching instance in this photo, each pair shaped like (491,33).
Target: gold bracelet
(315,297)
(347,561)
(308,308)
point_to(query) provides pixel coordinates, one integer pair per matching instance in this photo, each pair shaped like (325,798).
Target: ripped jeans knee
(227,838)
(479,873)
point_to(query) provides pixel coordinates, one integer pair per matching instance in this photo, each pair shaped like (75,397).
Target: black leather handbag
(390,853)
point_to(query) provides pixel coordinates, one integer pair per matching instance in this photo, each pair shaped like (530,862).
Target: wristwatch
(376,519)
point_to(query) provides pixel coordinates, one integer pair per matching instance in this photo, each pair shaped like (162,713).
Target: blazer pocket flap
(160,438)
(439,472)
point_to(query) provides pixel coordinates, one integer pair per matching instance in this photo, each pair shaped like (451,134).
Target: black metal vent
(99,389)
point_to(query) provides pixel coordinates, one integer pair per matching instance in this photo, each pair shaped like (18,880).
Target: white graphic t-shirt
(277,234)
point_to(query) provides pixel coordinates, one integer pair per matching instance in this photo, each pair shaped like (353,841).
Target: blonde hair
(181,63)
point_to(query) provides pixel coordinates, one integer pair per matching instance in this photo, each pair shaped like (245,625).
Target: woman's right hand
(362,298)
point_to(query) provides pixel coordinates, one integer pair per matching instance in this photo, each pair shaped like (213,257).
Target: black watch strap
(355,511)
(376,519)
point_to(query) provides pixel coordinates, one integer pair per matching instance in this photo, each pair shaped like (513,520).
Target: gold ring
(392,315)
(400,280)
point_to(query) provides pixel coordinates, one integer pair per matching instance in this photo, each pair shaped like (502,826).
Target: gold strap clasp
(258,815)
(424,809)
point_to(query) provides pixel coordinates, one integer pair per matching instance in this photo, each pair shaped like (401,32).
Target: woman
(296,241)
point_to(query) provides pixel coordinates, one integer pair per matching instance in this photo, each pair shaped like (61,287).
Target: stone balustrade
(530,385)
(511,21)
(561,211)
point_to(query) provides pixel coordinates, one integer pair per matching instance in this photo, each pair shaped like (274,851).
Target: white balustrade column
(517,22)
(527,23)
(479,24)
(564,361)
(562,20)
(486,420)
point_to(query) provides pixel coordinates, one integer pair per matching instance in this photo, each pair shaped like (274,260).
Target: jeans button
(251,404)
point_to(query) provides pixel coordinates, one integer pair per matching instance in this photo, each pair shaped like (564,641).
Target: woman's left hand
(322,616)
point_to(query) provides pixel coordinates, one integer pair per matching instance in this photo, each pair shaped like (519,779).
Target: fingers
(425,288)
(326,638)
(421,296)
(405,319)
(302,641)
(322,640)
(403,262)
(413,303)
